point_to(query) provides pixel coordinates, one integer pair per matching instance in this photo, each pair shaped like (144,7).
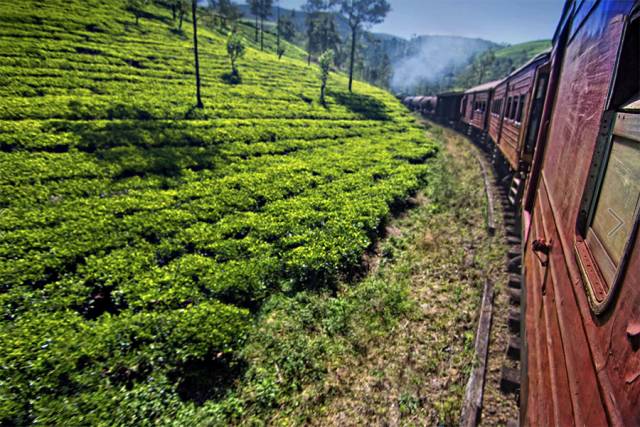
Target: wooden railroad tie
(474,392)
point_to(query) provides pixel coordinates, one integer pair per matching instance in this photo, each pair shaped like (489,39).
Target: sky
(501,21)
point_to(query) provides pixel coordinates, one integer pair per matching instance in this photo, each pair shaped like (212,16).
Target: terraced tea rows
(138,235)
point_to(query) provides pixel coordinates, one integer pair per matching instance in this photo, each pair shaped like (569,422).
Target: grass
(413,371)
(153,254)
(397,346)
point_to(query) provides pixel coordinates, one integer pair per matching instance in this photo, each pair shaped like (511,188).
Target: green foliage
(326,62)
(235,50)
(287,28)
(139,239)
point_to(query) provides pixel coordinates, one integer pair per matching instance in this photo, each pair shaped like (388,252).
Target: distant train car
(428,104)
(475,107)
(581,247)
(514,119)
(448,107)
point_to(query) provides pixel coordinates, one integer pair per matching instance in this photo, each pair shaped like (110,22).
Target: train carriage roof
(484,87)
(543,56)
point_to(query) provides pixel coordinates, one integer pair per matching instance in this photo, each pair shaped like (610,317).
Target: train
(563,133)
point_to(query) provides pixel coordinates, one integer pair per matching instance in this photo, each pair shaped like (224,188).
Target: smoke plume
(430,59)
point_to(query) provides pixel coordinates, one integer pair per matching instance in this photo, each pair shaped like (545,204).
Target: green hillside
(496,64)
(142,238)
(523,51)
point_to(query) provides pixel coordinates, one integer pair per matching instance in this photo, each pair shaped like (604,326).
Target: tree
(326,61)
(173,4)
(310,23)
(314,10)
(326,33)
(286,27)
(361,13)
(485,62)
(235,50)
(278,29)
(254,7)
(183,9)
(194,17)
(213,7)
(264,11)
(137,8)
(228,12)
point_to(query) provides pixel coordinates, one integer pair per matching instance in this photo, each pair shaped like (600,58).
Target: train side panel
(583,367)
(517,99)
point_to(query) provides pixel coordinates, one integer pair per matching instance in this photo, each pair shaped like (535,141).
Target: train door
(537,105)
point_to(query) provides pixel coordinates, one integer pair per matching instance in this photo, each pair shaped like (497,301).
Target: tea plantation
(141,238)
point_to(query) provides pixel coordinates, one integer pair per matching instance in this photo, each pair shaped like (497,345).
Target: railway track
(502,221)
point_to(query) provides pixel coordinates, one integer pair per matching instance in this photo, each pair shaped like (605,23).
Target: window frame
(623,100)
(601,276)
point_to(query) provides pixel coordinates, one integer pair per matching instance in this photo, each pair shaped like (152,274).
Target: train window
(506,114)
(609,218)
(514,108)
(613,218)
(520,109)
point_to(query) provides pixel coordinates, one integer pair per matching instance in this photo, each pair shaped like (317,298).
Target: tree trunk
(256,28)
(322,92)
(353,56)
(137,19)
(309,47)
(181,18)
(173,10)
(195,50)
(261,33)
(278,31)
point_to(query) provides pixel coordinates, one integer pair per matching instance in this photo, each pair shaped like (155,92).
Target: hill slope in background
(506,60)
(144,240)
(523,51)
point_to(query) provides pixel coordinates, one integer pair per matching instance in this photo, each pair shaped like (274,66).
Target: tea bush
(139,237)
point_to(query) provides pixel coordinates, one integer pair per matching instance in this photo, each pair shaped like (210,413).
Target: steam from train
(431,59)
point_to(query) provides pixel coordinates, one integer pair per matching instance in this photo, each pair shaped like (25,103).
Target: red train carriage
(581,354)
(475,108)
(514,119)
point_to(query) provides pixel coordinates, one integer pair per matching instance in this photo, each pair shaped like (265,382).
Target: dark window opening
(514,108)
(520,109)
